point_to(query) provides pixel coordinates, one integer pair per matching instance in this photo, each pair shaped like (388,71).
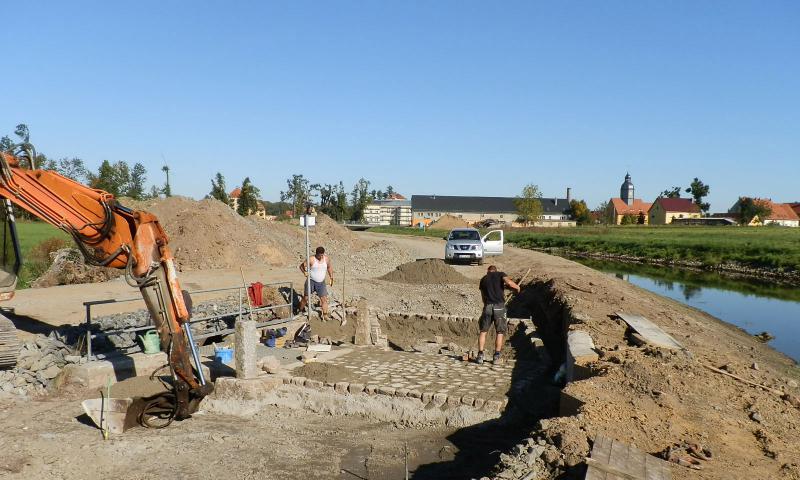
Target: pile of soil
(427,270)
(69,267)
(324,372)
(448,222)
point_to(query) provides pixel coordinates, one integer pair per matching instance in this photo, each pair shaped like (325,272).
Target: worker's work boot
(496,358)
(479,358)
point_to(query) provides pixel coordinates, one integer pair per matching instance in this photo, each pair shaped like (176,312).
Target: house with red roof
(665,210)
(233,201)
(780,213)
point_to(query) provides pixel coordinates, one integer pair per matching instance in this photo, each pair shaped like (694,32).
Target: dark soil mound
(429,270)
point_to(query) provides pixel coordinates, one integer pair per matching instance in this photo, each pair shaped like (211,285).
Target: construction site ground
(648,397)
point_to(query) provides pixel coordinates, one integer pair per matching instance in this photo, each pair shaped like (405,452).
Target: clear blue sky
(452,98)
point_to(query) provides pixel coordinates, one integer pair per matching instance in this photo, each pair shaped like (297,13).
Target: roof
(623,208)
(235,193)
(779,211)
(395,196)
(444,203)
(677,205)
(796,207)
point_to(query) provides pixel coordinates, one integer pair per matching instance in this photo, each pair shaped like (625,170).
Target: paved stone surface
(401,373)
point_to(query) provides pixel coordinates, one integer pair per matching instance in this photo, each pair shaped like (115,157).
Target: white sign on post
(311,221)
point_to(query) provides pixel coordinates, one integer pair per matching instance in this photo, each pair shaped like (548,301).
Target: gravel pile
(40,361)
(377,259)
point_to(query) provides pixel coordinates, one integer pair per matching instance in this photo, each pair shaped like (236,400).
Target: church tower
(626,191)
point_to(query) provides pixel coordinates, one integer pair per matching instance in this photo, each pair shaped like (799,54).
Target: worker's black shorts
(494,313)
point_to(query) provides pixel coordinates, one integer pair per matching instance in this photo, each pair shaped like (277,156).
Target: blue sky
(451,98)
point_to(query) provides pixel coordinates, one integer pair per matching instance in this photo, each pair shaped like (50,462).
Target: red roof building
(665,210)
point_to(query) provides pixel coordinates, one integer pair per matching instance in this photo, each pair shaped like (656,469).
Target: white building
(388,212)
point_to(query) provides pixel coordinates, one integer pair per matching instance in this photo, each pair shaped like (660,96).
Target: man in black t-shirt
(494,310)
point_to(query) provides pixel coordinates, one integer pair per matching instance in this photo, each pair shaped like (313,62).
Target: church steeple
(626,191)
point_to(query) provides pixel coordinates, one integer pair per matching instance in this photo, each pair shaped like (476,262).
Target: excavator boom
(111,235)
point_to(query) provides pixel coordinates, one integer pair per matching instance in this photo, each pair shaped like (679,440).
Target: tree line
(118,178)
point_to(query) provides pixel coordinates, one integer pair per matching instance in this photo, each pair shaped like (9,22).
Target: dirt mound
(291,237)
(69,267)
(428,270)
(448,222)
(208,234)
(324,372)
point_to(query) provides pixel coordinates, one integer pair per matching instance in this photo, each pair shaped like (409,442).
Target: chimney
(569,197)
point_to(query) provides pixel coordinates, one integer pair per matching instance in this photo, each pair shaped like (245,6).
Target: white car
(467,245)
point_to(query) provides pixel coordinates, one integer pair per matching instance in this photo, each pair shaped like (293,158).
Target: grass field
(30,235)
(756,247)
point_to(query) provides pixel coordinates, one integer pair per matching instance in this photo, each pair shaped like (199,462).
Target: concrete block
(355,388)
(245,388)
(246,340)
(362,324)
(96,373)
(340,387)
(580,352)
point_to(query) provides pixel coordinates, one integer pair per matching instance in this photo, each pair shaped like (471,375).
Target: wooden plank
(656,469)
(594,473)
(619,459)
(601,451)
(636,462)
(650,331)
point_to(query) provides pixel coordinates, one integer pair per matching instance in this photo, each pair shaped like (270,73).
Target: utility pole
(167,189)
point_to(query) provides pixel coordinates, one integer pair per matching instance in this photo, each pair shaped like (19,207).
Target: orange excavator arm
(112,235)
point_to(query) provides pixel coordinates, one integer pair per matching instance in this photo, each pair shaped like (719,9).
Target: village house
(665,210)
(780,213)
(627,205)
(233,202)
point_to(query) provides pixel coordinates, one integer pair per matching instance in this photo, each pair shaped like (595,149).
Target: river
(751,305)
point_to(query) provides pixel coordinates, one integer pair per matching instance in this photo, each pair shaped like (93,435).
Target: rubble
(40,362)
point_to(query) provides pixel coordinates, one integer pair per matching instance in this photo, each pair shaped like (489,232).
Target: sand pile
(449,222)
(290,236)
(324,372)
(428,270)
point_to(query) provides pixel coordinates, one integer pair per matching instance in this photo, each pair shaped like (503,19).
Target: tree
(628,219)
(750,208)
(134,188)
(23,133)
(6,144)
(389,191)
(360,197)
(167,188)
(674,192)
(641,219)
(602,213)
(248,198)
(580,212)
(105,179)
(297,190)
(699,191)
(218,189)
(69,167)
(529,204)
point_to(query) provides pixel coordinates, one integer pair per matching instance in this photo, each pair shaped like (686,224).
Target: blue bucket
(223,355)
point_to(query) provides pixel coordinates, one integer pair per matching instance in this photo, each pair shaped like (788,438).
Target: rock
(427,347)
(756,417)
(341,387)
(551,455)
(43,363)
(269,364)
(792,384)
(51,372)
(355,388)
(455,349)
(754,366)
(307,357)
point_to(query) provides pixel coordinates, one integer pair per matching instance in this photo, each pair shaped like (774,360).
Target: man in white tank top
(320,268)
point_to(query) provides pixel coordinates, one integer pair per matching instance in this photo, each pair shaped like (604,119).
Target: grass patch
(763,247)
(37,240)
(416,232)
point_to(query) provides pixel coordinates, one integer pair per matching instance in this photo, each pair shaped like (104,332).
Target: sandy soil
(643,396)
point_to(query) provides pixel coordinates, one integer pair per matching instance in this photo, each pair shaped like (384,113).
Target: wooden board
(614,460)
(651,332)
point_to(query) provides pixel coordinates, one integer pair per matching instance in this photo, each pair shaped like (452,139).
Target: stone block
(371,389)
(246,340)
(269,364)
(401,392)
(493,405)
(439,398)
(244,389)
(386,390)
(426,397)
(315,384)
(414,394)
(362,324)
(580,352)
(467,400)
(355,388)
(298,381)
(454,400)
(340,387)
(479,402)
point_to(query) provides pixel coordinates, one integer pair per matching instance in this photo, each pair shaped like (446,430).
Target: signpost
(308,220)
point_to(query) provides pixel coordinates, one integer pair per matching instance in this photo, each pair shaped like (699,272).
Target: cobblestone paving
(433,373)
